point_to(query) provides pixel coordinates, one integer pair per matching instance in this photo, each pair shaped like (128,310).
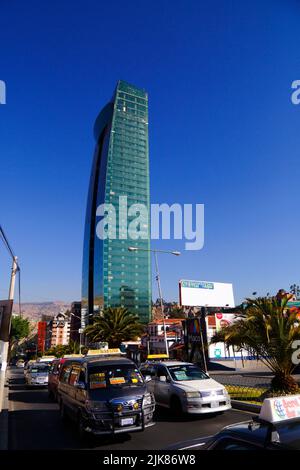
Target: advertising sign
(193,330)
(280,408)
(5,316)
(223,320)
(205,293)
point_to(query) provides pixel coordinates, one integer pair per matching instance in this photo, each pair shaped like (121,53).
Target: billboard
(5,318)
(192,330)
(205,293)
(223,320)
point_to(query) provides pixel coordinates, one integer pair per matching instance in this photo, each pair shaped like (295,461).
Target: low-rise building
(154,340)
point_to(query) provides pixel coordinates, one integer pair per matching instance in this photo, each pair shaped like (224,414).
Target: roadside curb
(242,405)
(4,414)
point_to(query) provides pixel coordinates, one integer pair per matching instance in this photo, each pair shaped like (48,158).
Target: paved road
(34,423)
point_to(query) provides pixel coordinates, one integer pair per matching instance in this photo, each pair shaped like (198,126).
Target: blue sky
(223,132)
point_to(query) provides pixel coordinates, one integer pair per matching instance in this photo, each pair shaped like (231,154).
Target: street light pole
(161,303)
(5,344)
(176,253)
(80,330)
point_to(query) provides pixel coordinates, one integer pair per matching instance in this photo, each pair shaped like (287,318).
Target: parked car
(104,394)
(37,375)
(184,387)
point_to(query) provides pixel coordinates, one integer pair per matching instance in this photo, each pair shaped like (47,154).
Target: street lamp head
(132,248)
(176,253)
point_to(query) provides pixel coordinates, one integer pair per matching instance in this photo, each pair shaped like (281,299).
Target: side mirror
(162,378)
(147,378)
(80,385)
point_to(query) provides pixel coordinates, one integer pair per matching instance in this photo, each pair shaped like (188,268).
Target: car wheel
(176,406)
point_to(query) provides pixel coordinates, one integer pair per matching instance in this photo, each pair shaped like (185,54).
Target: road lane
(34,423)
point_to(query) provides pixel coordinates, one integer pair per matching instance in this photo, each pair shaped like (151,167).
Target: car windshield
(186,372)
(289,434)
(41,368)
(114,376)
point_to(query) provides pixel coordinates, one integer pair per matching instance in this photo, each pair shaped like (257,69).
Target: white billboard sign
(205,293)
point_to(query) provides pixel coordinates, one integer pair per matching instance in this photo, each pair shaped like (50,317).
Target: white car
(37,374)
(184,387)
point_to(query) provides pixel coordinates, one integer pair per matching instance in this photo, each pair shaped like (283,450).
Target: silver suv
(184,387)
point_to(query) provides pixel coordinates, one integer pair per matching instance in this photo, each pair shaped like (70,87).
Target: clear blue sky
(223,132)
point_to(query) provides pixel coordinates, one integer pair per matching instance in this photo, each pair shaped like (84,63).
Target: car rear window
(289,434)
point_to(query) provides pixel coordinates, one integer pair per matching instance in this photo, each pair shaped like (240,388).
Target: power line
(6,243)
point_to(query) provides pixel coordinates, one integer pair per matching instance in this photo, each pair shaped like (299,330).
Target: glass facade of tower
(112,275)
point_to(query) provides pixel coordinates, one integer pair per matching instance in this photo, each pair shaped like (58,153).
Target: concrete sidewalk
(4,408)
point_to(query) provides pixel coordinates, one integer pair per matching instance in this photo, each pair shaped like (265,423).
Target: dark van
(104,395)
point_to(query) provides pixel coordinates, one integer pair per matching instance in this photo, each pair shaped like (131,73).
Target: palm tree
(73,347)
(267,328)
(114,325)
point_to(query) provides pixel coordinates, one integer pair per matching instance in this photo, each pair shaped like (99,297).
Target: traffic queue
(105,393)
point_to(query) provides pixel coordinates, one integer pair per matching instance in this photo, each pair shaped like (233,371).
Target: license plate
(214,404)
(127,421)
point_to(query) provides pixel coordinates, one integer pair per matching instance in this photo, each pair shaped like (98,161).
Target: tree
(20,329)
(74,347)
(176,312)
(267,328)
(58,351)
(114,325)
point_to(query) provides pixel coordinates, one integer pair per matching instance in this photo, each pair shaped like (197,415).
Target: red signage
(42,331)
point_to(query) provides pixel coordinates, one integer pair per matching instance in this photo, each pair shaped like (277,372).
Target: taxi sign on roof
(279,409)
(46,358)
(158,356)
(69,356)
(104,352)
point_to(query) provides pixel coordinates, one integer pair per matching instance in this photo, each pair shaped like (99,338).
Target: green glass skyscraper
(113,276)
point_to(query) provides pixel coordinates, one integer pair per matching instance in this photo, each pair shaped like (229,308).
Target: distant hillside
(35,310)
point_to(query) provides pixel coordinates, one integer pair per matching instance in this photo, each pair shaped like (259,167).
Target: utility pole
(4,344)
